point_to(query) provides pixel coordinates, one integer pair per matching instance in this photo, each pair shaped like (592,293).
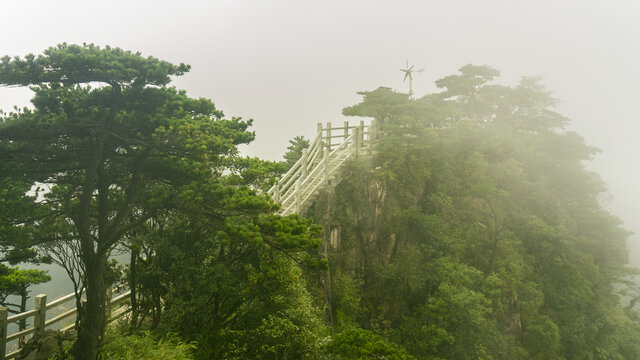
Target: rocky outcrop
(44,346)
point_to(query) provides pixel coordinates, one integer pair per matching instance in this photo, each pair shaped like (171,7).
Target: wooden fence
(40,322)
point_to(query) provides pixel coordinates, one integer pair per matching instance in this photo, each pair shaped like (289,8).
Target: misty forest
(466,226)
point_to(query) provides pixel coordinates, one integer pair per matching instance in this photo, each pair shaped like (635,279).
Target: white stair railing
(321,162)
(40,321)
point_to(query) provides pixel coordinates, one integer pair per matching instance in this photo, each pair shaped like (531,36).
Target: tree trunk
(24,295)
(132,286)
(92,320)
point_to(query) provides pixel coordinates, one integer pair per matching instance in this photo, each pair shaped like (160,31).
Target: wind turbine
(408,74)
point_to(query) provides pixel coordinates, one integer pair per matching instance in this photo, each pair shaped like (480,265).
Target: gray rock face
(43,346)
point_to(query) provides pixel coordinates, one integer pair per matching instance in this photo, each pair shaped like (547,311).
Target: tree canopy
(294,150)
(473,231)
(116,148)
(476,232)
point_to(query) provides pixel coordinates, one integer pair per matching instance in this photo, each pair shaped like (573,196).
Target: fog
(290,64)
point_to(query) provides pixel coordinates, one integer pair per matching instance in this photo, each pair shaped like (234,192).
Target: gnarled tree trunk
(92,316)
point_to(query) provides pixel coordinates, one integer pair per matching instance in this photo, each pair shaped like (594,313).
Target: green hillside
(475,231)
(470,229)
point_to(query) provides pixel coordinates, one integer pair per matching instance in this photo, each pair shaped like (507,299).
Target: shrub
(118,346)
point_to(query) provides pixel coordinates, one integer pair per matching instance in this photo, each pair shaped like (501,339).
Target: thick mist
(289,65)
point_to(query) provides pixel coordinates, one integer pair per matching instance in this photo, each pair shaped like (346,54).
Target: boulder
(42,346)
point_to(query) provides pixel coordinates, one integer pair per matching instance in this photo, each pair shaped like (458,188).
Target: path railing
(40,322)
(321,162)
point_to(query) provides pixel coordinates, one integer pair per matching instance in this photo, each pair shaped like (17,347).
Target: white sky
(289,64)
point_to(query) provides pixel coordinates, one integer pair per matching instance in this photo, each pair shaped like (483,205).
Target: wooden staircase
(320,165)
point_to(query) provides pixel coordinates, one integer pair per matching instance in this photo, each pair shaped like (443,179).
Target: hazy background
(289,64)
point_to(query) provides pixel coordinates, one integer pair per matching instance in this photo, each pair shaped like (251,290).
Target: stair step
(312,185)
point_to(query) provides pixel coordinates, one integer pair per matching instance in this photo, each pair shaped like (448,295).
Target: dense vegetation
(473,232)
(119,159)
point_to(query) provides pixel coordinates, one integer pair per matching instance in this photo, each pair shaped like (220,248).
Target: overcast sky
(290,64)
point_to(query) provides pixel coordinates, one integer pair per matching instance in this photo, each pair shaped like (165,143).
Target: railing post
(305,156)
(298,196)
(356,141)
(277,194)
(109,297)
(329,135)
(4,313)
(83,305)
(372,130)
(362,131)
(326,166)
(41,314)
(319,129)
(372,136)
(346,130)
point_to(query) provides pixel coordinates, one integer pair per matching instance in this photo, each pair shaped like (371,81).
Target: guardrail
(324,157)
(40,322)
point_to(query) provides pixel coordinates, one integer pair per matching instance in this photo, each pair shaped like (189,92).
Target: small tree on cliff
(114,145)
(294,150)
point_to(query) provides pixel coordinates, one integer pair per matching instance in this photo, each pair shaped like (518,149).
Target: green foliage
(116,147)
(74,64)
(254,172)
(15,281)
(119,346)
(360,344)
(294,151)
(380,104)
(469,82)
(235,288)
(14,278)
(17,214)
(475,231)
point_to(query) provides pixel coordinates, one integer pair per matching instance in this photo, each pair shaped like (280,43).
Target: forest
(474,230)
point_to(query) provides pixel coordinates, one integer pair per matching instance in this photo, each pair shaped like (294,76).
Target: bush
(356,344)
(119,346)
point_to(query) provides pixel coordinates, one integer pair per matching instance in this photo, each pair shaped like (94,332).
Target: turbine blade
(406,75)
